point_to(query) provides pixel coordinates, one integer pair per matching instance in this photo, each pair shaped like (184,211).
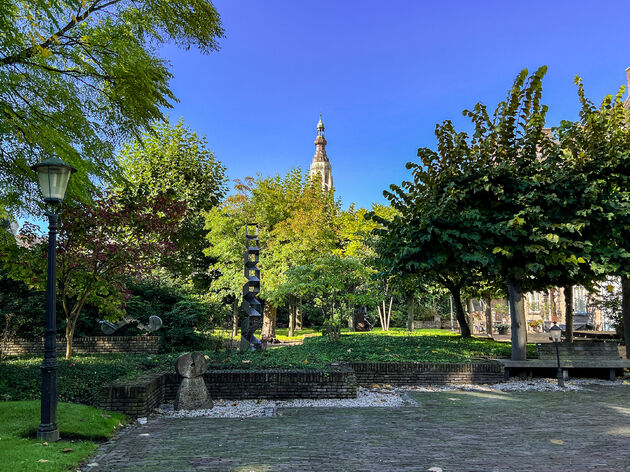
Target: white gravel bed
(255,408)
(377,396)
(533,385)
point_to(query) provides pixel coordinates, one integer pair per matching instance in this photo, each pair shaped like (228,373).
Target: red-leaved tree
(100,246)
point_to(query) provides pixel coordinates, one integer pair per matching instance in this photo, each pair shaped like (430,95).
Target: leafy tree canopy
(174,161)
(79,77)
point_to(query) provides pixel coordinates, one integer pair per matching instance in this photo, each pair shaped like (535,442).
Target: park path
(455,431)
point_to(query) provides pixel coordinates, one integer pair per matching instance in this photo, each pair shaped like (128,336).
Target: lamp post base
(48,432)
(560,378)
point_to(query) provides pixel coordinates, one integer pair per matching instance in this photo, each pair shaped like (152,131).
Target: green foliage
(336,285)
(174,161)
(185,317)
(79,77)
(22,310)
(598,149)
(79,426)
(100,246)
(504,204)
(80,379)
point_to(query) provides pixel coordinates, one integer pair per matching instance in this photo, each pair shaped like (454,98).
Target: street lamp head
(54,175)
(555,332)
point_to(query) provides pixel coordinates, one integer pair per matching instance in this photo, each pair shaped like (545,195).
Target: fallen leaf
(44,444)
(556,441)
(247,361)
(386,350)
(67,449)
(43,460)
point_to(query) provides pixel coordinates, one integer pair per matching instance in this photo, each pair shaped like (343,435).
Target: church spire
(320,167)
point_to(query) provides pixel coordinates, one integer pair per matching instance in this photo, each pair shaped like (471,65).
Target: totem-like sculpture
(251,305)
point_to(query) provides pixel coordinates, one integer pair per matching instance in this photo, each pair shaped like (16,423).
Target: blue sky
(383,74)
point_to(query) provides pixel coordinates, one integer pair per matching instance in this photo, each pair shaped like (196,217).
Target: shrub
(80,378)
(186,319)
(22,310)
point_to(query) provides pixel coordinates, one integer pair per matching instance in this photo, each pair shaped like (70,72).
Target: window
(579,299)
(534,302)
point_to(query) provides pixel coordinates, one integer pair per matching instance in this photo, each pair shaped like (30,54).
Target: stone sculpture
(251,305)
(192,393)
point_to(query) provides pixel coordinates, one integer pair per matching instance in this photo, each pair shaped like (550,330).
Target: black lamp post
(54,175)
(555,336)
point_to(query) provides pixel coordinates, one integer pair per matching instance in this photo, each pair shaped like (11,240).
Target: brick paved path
(457,431)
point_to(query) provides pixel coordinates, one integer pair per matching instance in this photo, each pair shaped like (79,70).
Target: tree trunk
(69,337)
(489,321)
(464,327)
(268,333)
(411,308)
(291,316)
(235,318)
(625,310)
(568,312)
(71,324)
(381,315)
(298,315)
(470,309)
(519,328)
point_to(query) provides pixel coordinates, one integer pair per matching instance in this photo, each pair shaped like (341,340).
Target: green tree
(79,77)
(296,224)
(598,145)
(335,284)
(498,205)
(174,161)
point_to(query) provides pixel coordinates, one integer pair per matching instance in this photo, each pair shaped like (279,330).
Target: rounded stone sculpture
(192,393)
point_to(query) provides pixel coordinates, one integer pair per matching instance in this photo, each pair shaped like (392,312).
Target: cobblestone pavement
(580,431)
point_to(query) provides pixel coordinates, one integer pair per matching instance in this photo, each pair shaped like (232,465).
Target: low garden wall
(140,396)
(85,345)
(136,397)
(426,373)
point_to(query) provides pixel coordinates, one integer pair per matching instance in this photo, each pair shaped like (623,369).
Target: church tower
(320,167)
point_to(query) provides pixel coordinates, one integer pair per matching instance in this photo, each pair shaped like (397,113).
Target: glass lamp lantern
(555,332)
(53,175)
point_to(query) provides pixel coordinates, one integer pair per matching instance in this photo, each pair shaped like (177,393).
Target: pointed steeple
(320,167)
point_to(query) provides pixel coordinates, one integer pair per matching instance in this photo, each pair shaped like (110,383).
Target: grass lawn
(395,345)
(82,377)
(281,333)
(80,426)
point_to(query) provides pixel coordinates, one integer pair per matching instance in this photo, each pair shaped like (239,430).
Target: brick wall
(135,397)
(86,345)
(139,396)
(423,373)
(282,384)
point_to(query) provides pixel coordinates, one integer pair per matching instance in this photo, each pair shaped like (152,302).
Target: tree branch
(33,50)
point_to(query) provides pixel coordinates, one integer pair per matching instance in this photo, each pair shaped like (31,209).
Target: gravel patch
(533,385)
(377,396)
(373,397)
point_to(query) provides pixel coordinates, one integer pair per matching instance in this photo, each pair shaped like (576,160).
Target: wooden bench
(592,355)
